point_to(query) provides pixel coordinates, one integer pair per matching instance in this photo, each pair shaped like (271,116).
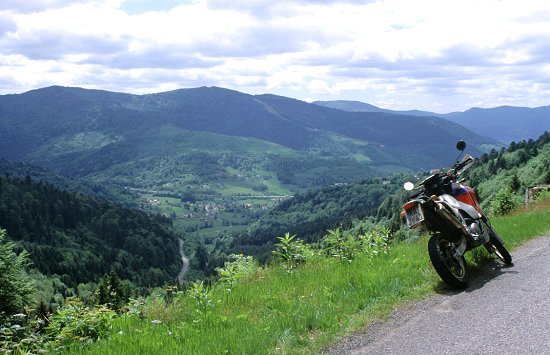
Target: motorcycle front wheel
(449,267)
(501,251)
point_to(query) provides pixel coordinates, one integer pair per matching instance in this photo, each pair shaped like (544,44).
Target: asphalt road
(506,310)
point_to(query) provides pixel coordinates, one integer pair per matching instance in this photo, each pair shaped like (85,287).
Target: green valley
(214,147)
(150,221)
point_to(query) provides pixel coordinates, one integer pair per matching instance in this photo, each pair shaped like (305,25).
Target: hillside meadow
(295,308)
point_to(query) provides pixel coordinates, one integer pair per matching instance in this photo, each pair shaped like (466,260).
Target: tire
(500,250)
(452,271)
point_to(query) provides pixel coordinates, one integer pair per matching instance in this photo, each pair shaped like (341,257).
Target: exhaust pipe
(449,217)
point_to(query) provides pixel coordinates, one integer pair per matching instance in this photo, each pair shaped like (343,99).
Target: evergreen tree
(112,292)
(514,183)
(16,287)
(201,257)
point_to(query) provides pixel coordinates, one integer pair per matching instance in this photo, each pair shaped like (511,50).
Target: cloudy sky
(436,55)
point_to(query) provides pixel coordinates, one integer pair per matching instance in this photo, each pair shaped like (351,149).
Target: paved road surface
(504,311)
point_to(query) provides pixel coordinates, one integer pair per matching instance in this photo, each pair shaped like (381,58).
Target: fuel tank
(459,205)
(467,195)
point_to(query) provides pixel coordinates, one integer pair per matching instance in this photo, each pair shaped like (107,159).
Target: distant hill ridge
(504,123)
(198,140)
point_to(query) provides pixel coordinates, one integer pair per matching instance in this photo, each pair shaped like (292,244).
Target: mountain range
(505,123)
(212,143)
(83,132)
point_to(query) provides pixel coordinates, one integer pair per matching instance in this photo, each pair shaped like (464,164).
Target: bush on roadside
(504,202)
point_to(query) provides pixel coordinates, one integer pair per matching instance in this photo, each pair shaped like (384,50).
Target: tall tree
(16,287)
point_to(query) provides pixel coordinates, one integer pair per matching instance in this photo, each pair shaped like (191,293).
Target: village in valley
(226,215)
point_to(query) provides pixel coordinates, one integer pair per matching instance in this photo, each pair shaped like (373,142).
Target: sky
(434,55)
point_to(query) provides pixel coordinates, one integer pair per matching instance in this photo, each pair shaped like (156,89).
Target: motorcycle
(452,214)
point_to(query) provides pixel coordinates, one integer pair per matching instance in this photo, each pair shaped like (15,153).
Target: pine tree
(16,287)
(201,255)
(514,183)
(112,292)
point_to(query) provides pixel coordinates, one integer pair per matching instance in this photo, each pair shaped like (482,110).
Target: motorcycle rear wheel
(452,270)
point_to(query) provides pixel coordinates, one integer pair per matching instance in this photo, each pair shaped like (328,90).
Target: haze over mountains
(504,123)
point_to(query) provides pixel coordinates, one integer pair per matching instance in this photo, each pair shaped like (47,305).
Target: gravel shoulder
(506,310)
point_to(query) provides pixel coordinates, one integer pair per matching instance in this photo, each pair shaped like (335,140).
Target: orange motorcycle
(452,214)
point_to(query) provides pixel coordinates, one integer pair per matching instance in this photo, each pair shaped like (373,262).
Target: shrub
(113,292)
(346,246)
(342,245)
(75,321)
(21,335)
(202,294)
(376,242)
(504,202)
(237,268)
(292,252)
(543,195)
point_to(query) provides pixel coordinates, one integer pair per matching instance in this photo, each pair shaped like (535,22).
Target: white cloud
(440,55)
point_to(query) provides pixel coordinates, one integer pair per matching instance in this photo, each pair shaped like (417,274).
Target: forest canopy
(81,238)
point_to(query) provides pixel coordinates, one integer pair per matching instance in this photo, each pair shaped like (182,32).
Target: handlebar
(460,165)
(440,181)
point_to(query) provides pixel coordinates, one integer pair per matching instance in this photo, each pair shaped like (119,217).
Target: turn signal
(403,214)
(433,197)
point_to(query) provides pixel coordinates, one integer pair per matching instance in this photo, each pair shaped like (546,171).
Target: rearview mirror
(461,145)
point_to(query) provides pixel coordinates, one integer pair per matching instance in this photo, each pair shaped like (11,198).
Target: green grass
(524,224)
(277,312)
(280,312)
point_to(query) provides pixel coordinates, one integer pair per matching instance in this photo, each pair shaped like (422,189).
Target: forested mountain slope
(505,123)
(216,147)
(81,238)
(69,129)
(358,106)
(37,173)
(311,214)
(523,164)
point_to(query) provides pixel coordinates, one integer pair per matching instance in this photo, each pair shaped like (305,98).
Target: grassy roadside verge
(524,224)
(300,312)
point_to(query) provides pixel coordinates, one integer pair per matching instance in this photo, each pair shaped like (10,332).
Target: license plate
(414,216)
